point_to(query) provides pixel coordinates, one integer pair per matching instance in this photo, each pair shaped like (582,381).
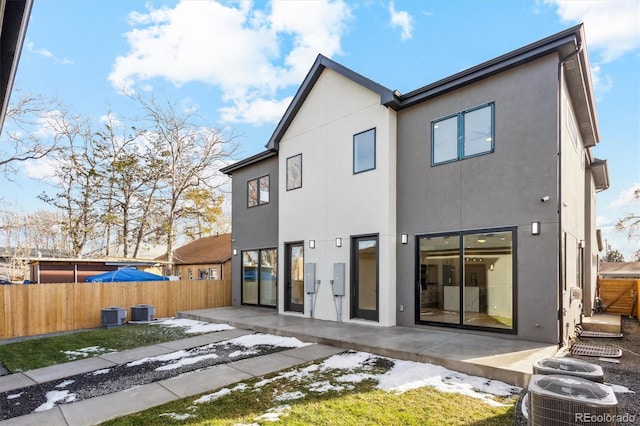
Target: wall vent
(567,400)
(142,312)
(569,367)
(113,316)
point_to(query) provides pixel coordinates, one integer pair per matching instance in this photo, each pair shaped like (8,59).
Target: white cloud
(626,199)
(601,82)
(235,48)
(46,53)
(612,26)
(43,168)
(402,20)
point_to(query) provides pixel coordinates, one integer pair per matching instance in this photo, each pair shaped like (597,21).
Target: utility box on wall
(338,279)
(309,278)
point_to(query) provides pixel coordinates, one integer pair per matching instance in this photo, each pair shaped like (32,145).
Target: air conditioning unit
(567,400)
(113,316)
(569,367)
(142,313)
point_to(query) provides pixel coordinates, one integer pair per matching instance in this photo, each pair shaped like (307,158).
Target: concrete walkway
(494,357)
(99,409)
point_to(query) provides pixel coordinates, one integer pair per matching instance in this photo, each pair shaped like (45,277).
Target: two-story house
(468,203)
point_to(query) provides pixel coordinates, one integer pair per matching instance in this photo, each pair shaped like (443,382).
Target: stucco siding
(333,201)
(503,188)
(255,227)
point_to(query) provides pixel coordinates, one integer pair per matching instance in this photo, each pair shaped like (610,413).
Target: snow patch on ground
(54,397)
(176,416)
(222,392)
(85,352)
(103,371)
(65,383)
(619,388)
(251,340)
(193,326)
(288,396)
(274,414)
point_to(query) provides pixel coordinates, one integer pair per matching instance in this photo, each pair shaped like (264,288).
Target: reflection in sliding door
(439,292)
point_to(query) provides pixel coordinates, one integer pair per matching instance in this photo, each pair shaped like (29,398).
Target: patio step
(608,323)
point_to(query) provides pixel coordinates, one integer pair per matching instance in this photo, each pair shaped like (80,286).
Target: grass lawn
(312,395)
(36,353)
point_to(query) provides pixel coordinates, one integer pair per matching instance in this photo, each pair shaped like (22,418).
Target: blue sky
(239,63)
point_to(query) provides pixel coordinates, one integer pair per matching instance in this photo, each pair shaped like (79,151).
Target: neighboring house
(467,204)
(207,258)
(15,18)
(609,270)
(65,270)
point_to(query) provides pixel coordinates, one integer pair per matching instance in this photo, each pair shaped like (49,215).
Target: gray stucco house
(467,204)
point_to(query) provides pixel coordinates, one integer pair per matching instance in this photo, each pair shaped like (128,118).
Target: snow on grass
(55,397)
(288,396)
(222,392)
(176,416)
(274,414)
(193,326)
(85,352)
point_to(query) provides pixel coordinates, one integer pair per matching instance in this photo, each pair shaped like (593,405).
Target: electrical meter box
(309,278)
(338,279)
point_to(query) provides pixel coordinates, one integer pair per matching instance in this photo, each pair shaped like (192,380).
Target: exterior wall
(500,189)
(333,202)
(223,271)
(574,220)
(255,227)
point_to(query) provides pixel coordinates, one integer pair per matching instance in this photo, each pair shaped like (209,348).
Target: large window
(465,134)
(364,151)
(259,277)
(467,279)
(258,191)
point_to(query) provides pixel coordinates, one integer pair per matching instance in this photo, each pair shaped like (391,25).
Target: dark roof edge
(387,96)
(501,63)
(228,170)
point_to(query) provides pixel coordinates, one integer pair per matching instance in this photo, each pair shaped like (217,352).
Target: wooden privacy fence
(34,309)
(620,296)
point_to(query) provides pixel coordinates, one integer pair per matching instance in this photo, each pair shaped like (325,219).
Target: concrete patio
(494,357)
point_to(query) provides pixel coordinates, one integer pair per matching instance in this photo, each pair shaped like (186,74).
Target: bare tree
(24,136)
(631,223)
(190,156)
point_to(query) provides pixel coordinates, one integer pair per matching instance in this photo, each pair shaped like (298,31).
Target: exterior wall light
(404,239)
(312,244)
(338,242)
(235,252)
(535,228)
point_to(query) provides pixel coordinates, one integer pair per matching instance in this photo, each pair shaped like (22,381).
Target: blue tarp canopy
(125,274)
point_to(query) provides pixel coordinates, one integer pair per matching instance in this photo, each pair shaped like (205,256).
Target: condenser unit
(113,316)
(567,400)
(569,367)
(142,312)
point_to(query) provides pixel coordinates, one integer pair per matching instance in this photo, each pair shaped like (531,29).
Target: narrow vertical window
(258,191)
(364,151)
(264,189)
(294,172)
(252,191)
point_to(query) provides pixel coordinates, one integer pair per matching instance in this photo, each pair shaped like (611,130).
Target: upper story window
(465,134)
(294,172)
(258,191)
(364,151)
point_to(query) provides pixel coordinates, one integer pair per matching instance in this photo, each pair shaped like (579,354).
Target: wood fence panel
(45,308)
(620,296)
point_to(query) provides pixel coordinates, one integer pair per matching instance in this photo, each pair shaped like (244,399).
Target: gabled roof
(387,96)
(248,161)
(213,249)
(569,45)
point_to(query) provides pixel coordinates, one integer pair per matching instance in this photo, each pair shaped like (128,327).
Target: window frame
(375,152)
(258,200)
(290,184)
(460,134)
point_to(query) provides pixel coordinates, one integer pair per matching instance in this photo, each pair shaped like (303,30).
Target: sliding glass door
(259,277)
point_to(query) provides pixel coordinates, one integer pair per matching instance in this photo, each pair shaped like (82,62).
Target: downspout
(561,308)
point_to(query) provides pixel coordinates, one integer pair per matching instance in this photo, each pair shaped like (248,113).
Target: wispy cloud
(626,199)
(46,53)
(250,54)
(612,26)
(402,20)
